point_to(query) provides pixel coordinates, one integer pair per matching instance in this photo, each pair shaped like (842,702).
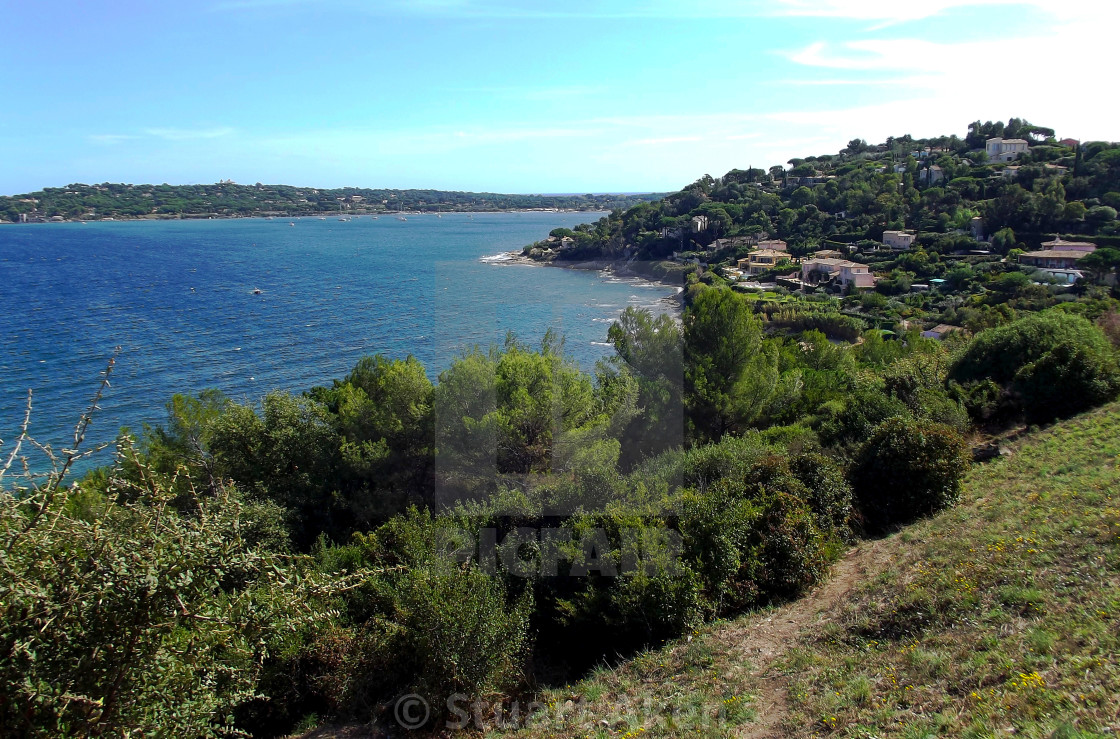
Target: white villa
(820,269)
(1005,150)
(898,240)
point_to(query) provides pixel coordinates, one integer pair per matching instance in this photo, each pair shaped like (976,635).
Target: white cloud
(952,82)
(524,9)
(188,134)
(900,11)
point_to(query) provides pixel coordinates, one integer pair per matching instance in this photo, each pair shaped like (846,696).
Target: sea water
(181,300)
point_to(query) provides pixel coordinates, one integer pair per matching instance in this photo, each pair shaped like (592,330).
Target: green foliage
(908,469)
(849,421)
(291,454)
(751,543)
(828,493)
(730,374)
(638,590)
(134,617)
(831,324)
(1056,364)
(518,411)
(436,627)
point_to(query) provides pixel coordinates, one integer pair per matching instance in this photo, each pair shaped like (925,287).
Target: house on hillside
(733,242)
(1059,243)
(762,260)
(1052,259)
(822,269)
(931,175)
(699,224)
(775,244)
(898,240)
(1005,150)
(940,331)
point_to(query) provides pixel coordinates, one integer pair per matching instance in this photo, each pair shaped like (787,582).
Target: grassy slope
(1001,616)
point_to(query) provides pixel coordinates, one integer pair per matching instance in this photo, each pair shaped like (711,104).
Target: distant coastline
(124,202)
(276,216)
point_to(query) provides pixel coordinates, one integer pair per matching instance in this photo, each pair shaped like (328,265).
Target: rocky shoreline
(616,268)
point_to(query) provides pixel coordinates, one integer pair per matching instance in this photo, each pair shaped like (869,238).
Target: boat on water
(291,223)
(257,291)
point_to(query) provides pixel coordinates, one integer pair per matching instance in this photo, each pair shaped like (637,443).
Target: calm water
(177,296)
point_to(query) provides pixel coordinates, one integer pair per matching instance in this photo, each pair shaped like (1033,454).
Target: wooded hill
(934,186)
(228,199)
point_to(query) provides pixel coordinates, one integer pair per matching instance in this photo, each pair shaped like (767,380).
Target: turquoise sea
(179,298)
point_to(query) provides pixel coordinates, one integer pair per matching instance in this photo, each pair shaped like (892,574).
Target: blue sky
(520,96)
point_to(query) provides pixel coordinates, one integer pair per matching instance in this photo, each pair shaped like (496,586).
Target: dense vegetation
(228,199)
(996,617)
(515,522)
(933,186)
(971,218)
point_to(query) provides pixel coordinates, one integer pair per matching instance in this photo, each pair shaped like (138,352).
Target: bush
(908,469)
(126,617)
(849,422)
(1056,364)
(829,494)
(425,624)
(749,544)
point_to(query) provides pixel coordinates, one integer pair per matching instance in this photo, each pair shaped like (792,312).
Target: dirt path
(765,638)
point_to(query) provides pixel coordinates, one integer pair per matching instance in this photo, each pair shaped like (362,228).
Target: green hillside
(998,617)
(934,187)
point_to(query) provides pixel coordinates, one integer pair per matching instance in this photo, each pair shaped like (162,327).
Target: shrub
(430,626)
(908,469)
(790,550)
(849,422)
(829,494)
(750,544)
(1055,363)
(131,618)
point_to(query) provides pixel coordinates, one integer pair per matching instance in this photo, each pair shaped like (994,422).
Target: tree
(385,417)
(856,146)
(651,350)
(1100,263)
(518,411)
(730,373)
(290,454)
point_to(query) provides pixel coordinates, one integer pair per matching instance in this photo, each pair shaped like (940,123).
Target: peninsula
(227,199)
